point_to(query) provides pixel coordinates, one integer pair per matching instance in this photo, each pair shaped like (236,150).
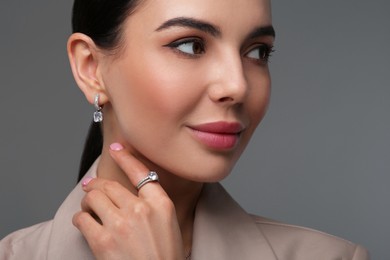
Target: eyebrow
(262,31)
(191,23)
(212,29)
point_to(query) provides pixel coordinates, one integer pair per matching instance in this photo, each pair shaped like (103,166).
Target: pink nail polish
(86,181)
(116,147)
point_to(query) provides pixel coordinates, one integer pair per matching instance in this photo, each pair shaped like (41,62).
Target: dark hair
(102,21)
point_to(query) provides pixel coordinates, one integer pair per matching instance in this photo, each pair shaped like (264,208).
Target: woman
(179,88)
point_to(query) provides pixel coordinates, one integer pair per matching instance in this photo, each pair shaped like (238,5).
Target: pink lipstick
(218,135)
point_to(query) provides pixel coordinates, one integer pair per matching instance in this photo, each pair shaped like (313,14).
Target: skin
(152,94)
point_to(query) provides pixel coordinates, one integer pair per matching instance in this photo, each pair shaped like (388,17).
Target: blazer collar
(222,229)
(66,241)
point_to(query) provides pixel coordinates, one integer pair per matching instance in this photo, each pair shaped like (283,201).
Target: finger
(119,195)
(98,203)
(135,171)
(97,237)
(93,232)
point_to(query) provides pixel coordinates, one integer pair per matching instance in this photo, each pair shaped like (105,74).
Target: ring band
(152,176)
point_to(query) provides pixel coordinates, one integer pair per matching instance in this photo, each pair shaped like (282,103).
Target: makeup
(217,135)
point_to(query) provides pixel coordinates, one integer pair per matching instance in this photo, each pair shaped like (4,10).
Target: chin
(209,173)
(213,168)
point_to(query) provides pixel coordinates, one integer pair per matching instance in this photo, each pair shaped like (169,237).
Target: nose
(230,85)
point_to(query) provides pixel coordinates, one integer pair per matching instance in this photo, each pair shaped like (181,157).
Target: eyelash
(264,59)
(267,51)
(176,44)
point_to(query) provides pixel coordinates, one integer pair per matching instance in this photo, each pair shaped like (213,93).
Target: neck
(183,193)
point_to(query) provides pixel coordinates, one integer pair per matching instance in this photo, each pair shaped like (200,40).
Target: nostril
(225,99)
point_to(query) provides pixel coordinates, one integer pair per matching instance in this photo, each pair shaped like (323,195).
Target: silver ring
(152,176)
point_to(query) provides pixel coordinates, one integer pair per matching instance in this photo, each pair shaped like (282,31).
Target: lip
(218,135)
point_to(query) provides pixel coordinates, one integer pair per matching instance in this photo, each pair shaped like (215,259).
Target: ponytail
(92,149)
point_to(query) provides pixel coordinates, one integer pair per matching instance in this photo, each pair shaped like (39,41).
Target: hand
(120,225)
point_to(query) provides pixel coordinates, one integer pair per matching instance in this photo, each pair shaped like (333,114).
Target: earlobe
(84,61)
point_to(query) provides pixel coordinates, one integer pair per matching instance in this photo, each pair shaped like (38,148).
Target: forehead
(228,13)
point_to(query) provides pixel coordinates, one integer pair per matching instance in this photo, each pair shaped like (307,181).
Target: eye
(191,47)
(260,53)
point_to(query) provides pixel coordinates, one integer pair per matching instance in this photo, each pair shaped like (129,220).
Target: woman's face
(190,84)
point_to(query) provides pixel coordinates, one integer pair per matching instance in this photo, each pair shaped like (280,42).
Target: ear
(84,57)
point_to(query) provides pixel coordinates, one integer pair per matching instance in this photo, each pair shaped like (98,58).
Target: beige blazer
(222,231)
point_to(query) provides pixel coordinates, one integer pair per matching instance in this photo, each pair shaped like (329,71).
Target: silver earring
(98,114)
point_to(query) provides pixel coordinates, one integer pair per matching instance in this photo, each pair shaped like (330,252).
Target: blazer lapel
(223,230)
(66,241)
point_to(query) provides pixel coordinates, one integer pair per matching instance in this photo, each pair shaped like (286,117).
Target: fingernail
(116,147)
(86,181)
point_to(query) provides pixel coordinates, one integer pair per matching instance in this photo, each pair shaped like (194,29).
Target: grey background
(319,159)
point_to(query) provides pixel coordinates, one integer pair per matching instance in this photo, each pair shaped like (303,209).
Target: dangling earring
(98,114)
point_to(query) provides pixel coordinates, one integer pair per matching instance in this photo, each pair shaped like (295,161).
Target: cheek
(152,100)
(159,87)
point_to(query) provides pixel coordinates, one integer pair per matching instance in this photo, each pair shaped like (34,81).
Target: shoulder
(296,242)
(27,243)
